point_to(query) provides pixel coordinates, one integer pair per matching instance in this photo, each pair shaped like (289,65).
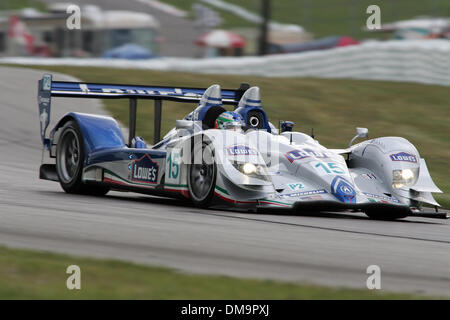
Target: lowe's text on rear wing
(48,88)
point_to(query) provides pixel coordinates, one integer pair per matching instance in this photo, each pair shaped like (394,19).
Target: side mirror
(286,126)
(360,133)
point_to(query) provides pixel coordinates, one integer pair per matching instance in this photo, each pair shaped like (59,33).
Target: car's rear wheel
(69,162)
(202,175)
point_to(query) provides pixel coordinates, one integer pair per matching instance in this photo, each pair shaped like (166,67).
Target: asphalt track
(331,249)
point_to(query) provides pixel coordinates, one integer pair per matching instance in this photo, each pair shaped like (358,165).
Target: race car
(221,158)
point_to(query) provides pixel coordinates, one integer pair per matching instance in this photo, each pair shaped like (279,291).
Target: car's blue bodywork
(99,132)
(103,140)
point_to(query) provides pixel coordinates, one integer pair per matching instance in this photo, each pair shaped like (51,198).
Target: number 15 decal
(173,166)
(327,167)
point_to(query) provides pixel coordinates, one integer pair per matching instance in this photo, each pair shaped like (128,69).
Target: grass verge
(20,4)
(28,274)
(329,17)
(345,17)
(420,113)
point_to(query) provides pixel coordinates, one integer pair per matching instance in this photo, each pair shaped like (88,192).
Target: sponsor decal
(369,176)
(241,150)
(150,91)
(296,155)
(295,186)
(299,154)
(381,198)
(403,156)
(144,170)
(312,198)
(47,82)
(43,118)
(343,190)
(175,92)
(304,193)
(43,100)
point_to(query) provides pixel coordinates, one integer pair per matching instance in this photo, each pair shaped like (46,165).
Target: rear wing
(47,88)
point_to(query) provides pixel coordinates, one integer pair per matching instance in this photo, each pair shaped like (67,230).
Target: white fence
(423,61)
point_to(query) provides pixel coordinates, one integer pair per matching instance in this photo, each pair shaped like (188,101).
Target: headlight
(407,174)
(404,178)
(248,168)
(252,170)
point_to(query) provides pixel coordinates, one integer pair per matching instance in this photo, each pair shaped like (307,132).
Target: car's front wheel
(202,174)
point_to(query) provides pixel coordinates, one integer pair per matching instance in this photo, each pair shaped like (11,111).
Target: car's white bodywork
(304,174)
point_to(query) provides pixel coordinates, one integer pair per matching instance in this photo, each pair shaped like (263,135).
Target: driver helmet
(229,120)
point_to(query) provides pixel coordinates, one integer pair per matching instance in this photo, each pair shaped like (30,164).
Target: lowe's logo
(144,170)
(305,153)
(403,156)
(241,150)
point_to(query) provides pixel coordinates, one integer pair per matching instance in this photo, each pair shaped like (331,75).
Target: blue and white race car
(233,159)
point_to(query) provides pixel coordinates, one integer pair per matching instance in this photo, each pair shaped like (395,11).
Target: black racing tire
(386,216)
(69,162)
(201,178)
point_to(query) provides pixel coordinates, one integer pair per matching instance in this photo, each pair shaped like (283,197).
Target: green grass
(345,17)
(420,113)
(332,17)
(20,4)
(28,274)
(230,20)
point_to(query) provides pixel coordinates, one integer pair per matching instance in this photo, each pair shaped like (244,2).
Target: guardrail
(423,61)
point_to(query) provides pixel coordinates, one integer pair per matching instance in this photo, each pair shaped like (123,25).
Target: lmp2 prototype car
(251,166)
